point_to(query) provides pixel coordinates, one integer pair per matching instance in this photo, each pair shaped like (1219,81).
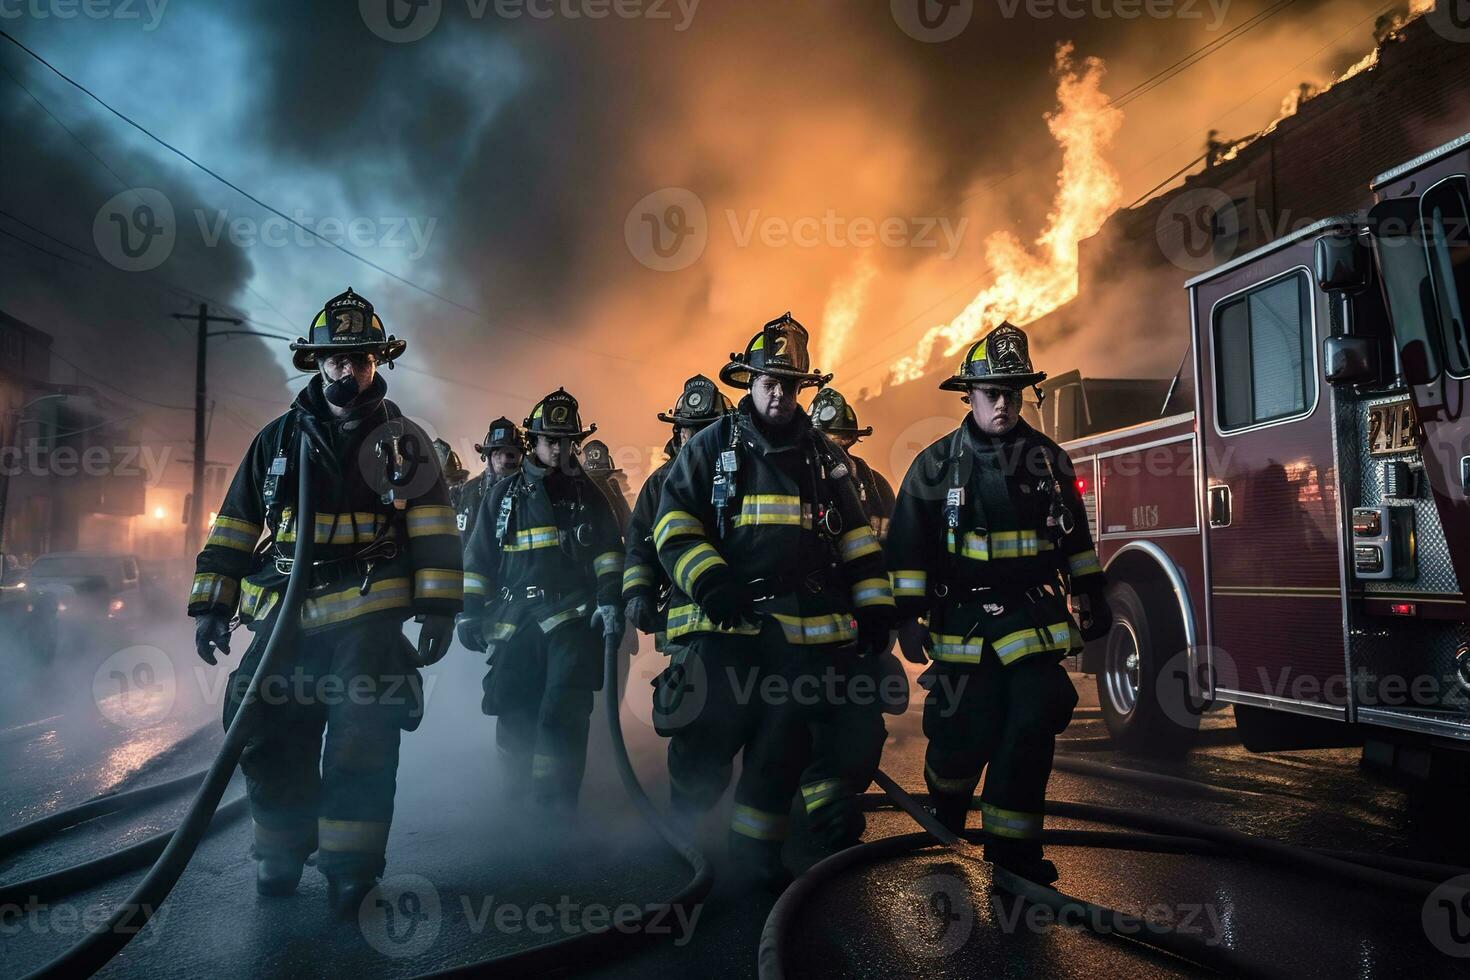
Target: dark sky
(494,163)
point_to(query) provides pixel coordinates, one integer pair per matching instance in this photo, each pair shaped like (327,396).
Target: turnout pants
(755,695)
(540,686)
(1001,721)
(321,766)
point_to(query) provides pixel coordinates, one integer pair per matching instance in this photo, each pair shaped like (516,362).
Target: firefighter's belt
(534,593)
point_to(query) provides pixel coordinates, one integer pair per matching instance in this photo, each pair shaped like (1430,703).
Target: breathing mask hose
(102,944)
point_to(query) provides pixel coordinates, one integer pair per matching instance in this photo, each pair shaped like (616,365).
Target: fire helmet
(449,462)
(700,403)
(346,325)
(1001,357)
(502,434)
(597,460)
(557,416)
(832,414)
(778,350)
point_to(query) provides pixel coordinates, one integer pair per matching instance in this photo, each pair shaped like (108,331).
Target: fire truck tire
(1145,701)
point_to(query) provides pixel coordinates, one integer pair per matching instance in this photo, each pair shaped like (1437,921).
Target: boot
(1023,859)
(758,864)
(276,874)
(346,893)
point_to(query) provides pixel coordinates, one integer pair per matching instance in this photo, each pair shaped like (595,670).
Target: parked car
(91,592)
(26,620)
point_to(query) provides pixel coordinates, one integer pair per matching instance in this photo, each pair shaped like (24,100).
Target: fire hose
(102,944)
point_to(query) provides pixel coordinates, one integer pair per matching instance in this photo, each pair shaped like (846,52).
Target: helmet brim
(738,374)
(963,382)
(305,356)
(862,433)
(573,435)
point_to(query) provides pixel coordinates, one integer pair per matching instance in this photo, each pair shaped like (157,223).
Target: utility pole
(193,531)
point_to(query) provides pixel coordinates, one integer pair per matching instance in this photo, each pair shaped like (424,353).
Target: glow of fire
(844,305)
(1031,282)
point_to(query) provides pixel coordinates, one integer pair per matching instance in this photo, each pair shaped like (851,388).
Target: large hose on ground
(102,944)
(554,955)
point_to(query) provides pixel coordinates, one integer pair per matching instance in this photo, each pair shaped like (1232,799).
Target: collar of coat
(311,402)
(758,436)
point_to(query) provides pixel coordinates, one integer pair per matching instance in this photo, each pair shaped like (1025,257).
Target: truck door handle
(1219,505)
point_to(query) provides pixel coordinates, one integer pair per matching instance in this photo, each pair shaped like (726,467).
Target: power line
(287,218)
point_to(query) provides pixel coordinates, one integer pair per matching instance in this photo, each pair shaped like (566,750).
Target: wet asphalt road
(470,877)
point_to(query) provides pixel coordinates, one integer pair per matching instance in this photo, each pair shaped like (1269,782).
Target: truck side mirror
(1350,360)
(1342,261)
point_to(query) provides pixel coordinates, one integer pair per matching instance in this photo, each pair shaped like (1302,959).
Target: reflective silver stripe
(552,622)
(750,822)
(608,562)
(475,584)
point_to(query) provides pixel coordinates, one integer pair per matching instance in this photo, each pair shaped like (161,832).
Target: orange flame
(1030,283)
(843,307)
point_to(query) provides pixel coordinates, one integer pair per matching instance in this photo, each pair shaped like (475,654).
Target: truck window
(1262,354)
(1446,220)
(1398,243)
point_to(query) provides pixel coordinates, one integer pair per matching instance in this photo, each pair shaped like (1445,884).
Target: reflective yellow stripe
(694,563)
(256,602)
(608,563)
(300,837)
(692,619)
(501,632)
(1022,643)
(676,524)
(910,582)
(758,824)
(1010,823)
(956,784)
(999,544)
(360,836)
(858,542)
(956,649)
(820,794)
(771,508)
(552,622)
(475,584)
(361,526)
(1084,563)
(533,538)
(431,519)
(438,583)
(229,532)
(872,592)
(214,588)
(817,630)
(637,575)
(337,607)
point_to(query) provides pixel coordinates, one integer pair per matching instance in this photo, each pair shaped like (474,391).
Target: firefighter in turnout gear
(646,586)
(847,744)
(455,474)
(778,586)
(502,451)
(386,550)
(988,537)
(833,415)
(542,575)
(597,462)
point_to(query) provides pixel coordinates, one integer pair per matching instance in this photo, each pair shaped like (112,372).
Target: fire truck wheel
(1143,693)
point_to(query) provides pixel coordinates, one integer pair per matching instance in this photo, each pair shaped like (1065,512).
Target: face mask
(342,391)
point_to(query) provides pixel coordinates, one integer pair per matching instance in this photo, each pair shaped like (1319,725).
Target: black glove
(211,631)
(639,612)
(1094,614)
(729,604)
(471,633)
(434,636)
(915,642)
(610,620)
(875,630)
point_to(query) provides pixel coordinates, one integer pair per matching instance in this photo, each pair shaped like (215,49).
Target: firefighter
(386,550)
(847,743)
(455,474)
(597,462)
(834,416)
(778,584)
(542,576)
(645,585)
(988,537)
(501,451)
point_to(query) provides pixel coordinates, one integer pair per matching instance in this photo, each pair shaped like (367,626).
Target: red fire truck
(1291,543)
